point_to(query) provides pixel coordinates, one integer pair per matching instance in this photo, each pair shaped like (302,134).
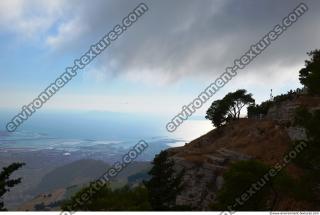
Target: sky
(171,54)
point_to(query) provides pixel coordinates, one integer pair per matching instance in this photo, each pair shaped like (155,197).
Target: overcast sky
(161,63)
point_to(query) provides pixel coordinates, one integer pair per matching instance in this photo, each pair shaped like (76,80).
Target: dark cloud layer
(184,38)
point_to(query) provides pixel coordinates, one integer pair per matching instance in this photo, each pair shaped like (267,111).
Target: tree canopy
(229,108)
(157,194)
(243,175)
(310,74)
(165,184)
(106,199)
(6,183)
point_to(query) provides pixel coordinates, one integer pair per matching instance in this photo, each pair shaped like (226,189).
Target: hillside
(62,182)
(83,171)
(78,172)
(206,158)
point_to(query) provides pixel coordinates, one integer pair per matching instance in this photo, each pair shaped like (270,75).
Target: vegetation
(165,184)
(157,194)
(310,74)
(240,177)
(309,158)
(138,177)
(228,108)
(310,121)
(259,110)
(262,109)
(6,183)
(106,199)
(290,95)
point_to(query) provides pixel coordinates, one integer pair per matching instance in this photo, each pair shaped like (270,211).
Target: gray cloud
(189,38)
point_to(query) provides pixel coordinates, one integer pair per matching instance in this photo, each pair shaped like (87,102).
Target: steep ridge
(206,158)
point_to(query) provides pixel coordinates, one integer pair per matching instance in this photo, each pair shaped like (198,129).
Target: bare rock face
(202,180)
(205,159)
(284,111)
(297,133)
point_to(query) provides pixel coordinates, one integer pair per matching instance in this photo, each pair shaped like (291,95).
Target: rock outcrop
(284,111)
(267,140)
(203,179)
(206,158)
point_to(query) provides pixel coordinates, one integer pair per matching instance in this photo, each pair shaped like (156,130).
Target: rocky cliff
(206,158)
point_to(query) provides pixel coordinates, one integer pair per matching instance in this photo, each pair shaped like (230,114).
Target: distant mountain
(62,182)
(75,173)
(83,171)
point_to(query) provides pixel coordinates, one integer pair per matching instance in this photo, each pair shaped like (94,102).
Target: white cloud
(29,19)
(187,39)
(174,39)
(67,32)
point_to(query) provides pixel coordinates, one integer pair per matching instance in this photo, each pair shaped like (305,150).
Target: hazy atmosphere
(85,84)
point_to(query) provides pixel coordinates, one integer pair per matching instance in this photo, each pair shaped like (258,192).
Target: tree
(236,101)
(309,158)
(310,74)
(257,110)
(106,199)
(243,175)
(217,113)
(229,108)
(6,183)
(165,184)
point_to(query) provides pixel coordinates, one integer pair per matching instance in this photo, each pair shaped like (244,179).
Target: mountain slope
(83,171)
(267,140)
(78,172)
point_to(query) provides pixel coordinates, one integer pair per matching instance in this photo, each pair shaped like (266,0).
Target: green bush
(106,199)
(244,175)
(165,184)
(310,75)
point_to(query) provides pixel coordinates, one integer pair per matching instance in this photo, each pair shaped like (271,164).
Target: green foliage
(228,108)
(106,199)
(307,186)
(138,177)
(165,184)
(304,186)
(257,110)
(236,101)
(243,175)
(310,74)
(262,109)
(6,183)
(290,95)
(310,121)
(217,113)
(159,193)
(40,207)
(309,158)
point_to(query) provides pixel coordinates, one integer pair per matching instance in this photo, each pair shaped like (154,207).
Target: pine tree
(165,184)
(6,183)
(310,74)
